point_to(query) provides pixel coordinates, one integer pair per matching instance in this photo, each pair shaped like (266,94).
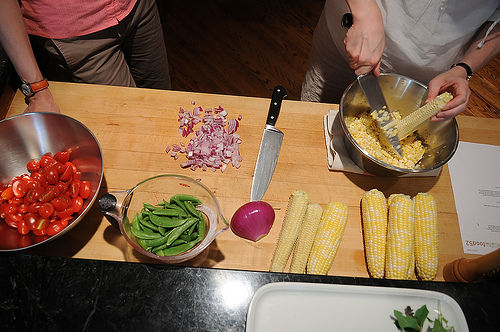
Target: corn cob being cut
(295,212)
(400,238)
(409,123)
(426,236)
(306,238)
(327,239)
(374,210)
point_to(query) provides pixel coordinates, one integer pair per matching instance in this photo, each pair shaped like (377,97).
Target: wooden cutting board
(134,126)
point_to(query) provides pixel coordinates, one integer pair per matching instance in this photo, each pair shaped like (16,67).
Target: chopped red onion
(213,145)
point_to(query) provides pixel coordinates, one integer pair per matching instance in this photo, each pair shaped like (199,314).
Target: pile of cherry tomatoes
(44,201)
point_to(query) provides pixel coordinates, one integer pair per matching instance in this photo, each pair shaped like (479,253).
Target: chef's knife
(371,88)
(269,147)
(380,112)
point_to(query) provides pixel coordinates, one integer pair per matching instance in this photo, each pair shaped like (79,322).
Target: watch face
(26,89)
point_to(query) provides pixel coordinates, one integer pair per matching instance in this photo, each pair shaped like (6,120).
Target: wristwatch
(29,89)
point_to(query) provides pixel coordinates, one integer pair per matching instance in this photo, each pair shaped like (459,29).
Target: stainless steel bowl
(29,136)
(404,95)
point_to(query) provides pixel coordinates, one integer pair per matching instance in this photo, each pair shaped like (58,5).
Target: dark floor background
(247,47)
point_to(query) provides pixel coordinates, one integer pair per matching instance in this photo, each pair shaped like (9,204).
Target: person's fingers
(433,90)
(376,70)
(363,70)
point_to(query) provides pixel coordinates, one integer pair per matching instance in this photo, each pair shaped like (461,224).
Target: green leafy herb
(414,322)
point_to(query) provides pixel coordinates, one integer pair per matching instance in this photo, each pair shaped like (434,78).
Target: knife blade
(270,146)
(380,111)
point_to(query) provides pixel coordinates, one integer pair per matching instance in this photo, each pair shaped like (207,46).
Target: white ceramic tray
(290,306)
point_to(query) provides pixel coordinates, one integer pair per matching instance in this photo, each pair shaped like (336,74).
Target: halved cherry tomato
(77,204)
(64,213)
(51,175)
(23,208)
(10,208)
(72,166)
(67,173)
(61,203)
(39,232)
(54,228)
(9,221)
(33,165)
(23,228)
(42,223)
(15,216)
(16,200)
(47,196)
(85,189)
(32,184)
(34,195)
(74,188)
(46,161)
(46,210)
(62,156)
(7,193)
(19,188)
(34,207)
(62,187)
(31,220)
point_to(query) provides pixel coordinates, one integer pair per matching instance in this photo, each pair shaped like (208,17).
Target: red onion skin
(253,220)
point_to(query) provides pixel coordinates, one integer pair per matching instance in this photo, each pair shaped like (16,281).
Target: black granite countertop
(41,293)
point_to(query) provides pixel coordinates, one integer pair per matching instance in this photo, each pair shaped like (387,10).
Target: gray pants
(328,73)
(131,53)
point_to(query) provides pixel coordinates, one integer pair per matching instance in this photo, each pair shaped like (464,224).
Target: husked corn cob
(327,239)
(400,233)
(295,212)
(426,236)
(374,210)
(306,238)
(409,123)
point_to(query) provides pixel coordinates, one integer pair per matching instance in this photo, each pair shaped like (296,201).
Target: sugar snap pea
(167,221)
(179,230)
(169,212)
(191,209)
(144,235)
(184,197)
(147,223)
(135,222)
(143,245)
(179,204)
(158,241)
(175,250)
(150,207)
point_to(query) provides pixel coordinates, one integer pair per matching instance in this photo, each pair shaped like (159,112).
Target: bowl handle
(107,205)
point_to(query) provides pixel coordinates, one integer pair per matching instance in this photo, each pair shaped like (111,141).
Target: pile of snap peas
(169,228)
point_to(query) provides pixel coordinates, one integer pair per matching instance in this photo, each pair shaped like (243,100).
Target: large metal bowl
(402,94)
(29,136)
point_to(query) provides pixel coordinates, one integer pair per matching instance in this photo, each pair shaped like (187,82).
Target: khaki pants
(131,53)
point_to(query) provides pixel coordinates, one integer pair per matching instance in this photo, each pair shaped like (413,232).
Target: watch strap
(465,66)
(39,86)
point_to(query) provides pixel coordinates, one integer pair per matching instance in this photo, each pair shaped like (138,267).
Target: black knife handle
(279,93)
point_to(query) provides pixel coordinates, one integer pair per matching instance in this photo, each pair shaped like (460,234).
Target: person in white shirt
(437,42)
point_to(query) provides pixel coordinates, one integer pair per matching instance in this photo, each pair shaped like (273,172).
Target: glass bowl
(120,207)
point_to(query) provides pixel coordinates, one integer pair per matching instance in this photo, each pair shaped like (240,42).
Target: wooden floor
(247,47)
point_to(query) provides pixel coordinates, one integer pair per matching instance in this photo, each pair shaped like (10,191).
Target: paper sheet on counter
(475,178)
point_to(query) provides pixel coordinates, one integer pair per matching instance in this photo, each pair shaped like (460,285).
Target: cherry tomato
(73,167)
(23,228)
(15,216)
(38,177)
(67,173)
(46,210)
(59,167)
(39,232)
(62,187)
(19,188)
(74,188)
(54,228)
(33,165)
(47,196)
(34,207)
(23,208)
(31,220)
(42,223)
(10,222)
(16,200)
(62,156)
(61,203)
(46,161)
(34,195)
(32,184)
(51,175)
(77,204)
(10,208)
(64,213)
(7,193)
(85,189)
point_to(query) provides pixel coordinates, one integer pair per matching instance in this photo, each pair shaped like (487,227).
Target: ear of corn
(400,233)
(426,236)
(295,212)
(306,238)
(374,210)
(327,239)
(409,123)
